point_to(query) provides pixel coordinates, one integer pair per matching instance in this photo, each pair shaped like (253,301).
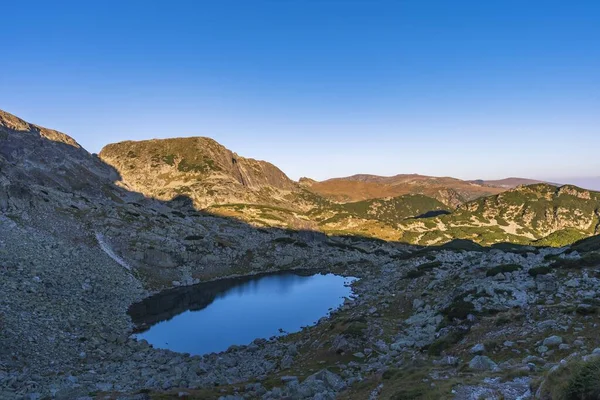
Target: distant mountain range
(450,191)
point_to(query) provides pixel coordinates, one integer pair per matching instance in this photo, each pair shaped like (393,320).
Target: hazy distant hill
(508,183)
(450,191)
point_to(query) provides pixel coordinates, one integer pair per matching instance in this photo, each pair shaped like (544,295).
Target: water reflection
(213,316)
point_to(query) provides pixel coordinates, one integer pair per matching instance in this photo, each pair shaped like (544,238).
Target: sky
(470,89)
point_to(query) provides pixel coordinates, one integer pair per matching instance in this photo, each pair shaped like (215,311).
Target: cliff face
(199,168)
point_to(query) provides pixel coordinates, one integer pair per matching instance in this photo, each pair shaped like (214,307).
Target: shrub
(575,381)
(169,159)
(501,269)
(458,309)
(194,237)
(542,270)
(587,260)
(445,342)
(422,269)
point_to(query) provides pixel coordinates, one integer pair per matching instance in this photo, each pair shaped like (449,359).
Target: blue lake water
(212,316)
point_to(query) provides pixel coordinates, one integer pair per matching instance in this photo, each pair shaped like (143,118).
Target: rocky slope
(199,168)
(32,156)
(447,322)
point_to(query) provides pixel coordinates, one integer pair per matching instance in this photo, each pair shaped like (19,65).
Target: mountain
(32,156)
(450,191)
(79,249)
(199,168)
(539,214)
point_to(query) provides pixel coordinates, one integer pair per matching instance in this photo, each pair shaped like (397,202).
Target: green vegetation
(587,260)
(561,238)
(446,342)
(201,166)
(422,270)
(587,245)
(521,216)
(289,241)
(501,269)
(345,246)
(391,211)
(194,237)
(574,381)
(458,309)
(169,159)
(541,270)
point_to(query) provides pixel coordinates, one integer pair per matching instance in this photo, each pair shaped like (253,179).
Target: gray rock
(553,341)
(329,379)
(478,349)
(573,283)
(482,363)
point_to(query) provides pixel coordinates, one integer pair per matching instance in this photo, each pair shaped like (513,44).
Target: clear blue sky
(472,89)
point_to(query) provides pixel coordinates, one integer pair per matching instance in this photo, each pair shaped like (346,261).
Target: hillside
(450,191)
(540,214)
(32,156)
(199,168)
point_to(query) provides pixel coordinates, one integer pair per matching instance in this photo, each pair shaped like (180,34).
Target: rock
(447,360)
(331,380)
(573,283)
(417,303)
(482,363)
(478,349)
(104,387)
(286,361)
(553,341)
(340,344)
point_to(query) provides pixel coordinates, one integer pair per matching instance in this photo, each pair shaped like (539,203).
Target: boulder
(482,363)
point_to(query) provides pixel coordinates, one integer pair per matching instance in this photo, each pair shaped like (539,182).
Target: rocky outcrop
(33,156)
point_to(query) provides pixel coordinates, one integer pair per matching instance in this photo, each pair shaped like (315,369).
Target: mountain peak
(10,123)
(198,167)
